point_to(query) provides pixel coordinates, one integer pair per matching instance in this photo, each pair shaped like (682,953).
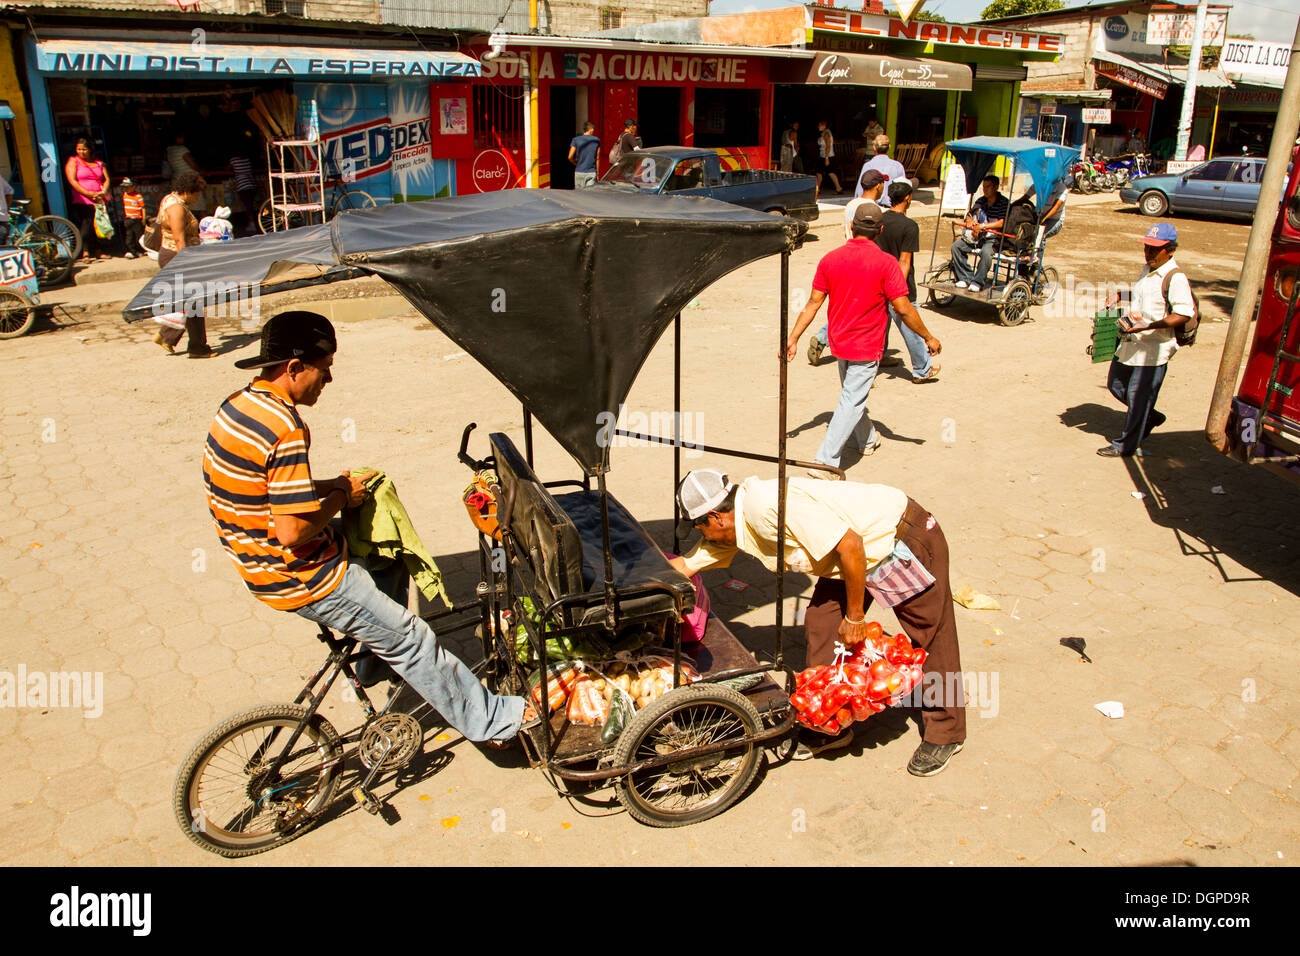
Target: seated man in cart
(273,519)
(985,218)
(838,532)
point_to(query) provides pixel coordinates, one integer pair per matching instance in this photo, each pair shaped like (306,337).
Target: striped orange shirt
(254,467)
(133,205)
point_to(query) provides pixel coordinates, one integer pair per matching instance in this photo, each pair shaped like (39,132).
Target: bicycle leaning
(53,241)
(339,198)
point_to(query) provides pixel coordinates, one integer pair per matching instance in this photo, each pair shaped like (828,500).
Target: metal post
(677,425)
(1257,247)
(528,437)
(1189,91)
(780,463)
(1214,123)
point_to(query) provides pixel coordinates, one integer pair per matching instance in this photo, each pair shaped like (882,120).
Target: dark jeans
(84,217)
(928,620)
(132,230)
(1137,387)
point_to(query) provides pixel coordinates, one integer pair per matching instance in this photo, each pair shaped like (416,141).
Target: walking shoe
(872,448)
(824,475)
(960,283)
(930,759)
(1110,451)
(203,353)
(815,348)
(929,376)
(158,339)
(974,287)
(806,751)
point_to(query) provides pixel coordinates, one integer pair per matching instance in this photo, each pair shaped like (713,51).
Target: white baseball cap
(700,492)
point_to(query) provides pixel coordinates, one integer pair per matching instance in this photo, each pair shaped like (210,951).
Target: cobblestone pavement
(1187,598)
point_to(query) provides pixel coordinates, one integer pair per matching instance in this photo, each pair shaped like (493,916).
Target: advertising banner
(412,144)
(1177,29)
(356,135)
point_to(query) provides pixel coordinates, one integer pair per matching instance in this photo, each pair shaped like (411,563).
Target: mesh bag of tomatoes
(865,680)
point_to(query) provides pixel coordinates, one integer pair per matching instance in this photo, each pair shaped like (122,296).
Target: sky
(1273,20)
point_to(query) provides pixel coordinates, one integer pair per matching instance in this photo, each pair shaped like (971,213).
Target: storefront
(1064,116)
(680,95)
(133,99)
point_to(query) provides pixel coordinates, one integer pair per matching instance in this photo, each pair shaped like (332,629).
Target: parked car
(1226,186)
(683,171)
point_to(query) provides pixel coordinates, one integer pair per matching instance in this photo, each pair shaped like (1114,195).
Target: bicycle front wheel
(226,798)
(53,255)
(65,229)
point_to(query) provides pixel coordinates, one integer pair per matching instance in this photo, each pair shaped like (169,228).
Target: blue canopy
(1046,163)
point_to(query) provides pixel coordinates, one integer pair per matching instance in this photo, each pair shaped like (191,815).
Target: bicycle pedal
(368,801)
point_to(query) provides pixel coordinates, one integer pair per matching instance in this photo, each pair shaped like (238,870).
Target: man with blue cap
(1162,301)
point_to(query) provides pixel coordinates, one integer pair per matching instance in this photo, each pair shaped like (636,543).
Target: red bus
(1264,422)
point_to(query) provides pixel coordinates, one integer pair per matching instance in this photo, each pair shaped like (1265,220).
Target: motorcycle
(1128,166)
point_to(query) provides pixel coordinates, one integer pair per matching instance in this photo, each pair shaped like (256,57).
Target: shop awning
(858,69)
(1083,96)
(87,58)
(1205,79)
(1145,79)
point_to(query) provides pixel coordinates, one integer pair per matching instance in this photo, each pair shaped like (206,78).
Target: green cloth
(381,526)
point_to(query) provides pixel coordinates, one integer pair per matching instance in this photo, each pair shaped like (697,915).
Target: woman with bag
(89,181)
(178,230)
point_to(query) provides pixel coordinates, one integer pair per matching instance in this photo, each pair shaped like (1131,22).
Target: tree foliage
(1018,8)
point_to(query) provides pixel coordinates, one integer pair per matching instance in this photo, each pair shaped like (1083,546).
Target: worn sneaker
(161,343)
(929,376)
(974,287)
(960,283)
(815,348)
(806,751)
(1110,451)
(930,759)
(824,475)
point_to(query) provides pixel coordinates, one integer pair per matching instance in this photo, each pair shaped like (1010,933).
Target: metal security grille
(293,8)
(498,117)
(611,18)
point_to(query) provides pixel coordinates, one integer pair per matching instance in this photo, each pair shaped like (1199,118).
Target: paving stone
(1212,816)
(98,825)
(1202,765)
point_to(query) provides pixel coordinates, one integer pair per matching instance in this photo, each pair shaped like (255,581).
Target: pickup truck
(683,171)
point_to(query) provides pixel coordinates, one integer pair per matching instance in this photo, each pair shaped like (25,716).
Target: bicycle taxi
(594,280)
(1019,277)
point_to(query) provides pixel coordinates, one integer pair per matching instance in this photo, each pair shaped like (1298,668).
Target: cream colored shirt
(817,515)
(1155,346)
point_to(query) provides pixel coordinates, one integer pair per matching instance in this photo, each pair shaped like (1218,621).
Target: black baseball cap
(868,215)
(293,335)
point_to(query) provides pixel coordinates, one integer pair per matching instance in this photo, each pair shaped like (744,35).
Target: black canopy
(560,294)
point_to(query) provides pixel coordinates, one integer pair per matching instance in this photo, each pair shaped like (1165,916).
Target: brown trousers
(928,620)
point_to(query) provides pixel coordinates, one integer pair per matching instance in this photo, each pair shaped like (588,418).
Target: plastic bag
(587,705)
(560,681)
(863,681)
(621,711)
(103,224)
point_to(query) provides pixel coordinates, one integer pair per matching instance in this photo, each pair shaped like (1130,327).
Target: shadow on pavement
(1250,521)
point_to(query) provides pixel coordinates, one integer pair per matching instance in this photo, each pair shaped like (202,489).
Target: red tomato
(861,707)
(881,669)
(877,689)
(894,682)
(919,656)
(874,631)
(844,716)
(804,676)
(820,679)
(837,695)
(877,706)
(831,727)
(799,700)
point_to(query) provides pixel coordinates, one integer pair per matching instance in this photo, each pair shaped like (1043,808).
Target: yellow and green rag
(382,527)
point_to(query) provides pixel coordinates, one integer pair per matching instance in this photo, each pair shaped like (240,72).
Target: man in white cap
(839,533)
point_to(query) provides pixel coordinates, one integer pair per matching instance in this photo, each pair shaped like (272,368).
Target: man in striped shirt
(984,218)
(273,519)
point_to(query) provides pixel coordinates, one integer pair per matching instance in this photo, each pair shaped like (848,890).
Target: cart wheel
(942,273)
(1049,283)
(16,314)
(683,793)
(1014,307)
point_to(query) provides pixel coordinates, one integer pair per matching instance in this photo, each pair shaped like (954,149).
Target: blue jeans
(1054,228)
(961,264)
(1137,387)
(916,350)
(823,336)
(850,419)
(583,180)
(359,609)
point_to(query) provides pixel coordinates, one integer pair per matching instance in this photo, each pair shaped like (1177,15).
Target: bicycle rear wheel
(353,199)
(53,255)
(228,802)
(16,314)
(65,229)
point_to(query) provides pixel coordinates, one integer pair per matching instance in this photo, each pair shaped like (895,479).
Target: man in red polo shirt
(860,279)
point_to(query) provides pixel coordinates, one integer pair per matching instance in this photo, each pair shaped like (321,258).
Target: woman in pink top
(89,181)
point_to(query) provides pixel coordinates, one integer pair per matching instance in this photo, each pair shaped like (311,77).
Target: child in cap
(132,216)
